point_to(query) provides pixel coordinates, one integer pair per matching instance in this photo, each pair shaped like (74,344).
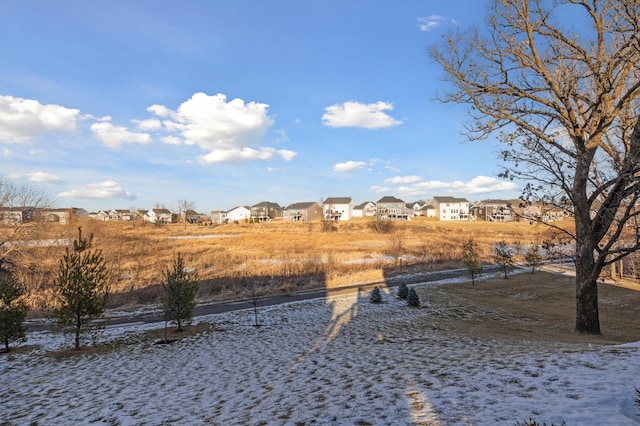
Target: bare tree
(183,208)
(22,209)
(564,101)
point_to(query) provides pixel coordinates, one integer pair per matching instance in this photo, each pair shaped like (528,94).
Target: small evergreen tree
(403,291)
(13,308)
(471,259)
(376,295)
(503,256)
(178,294)
(533,257)
(81,288)
(412,298)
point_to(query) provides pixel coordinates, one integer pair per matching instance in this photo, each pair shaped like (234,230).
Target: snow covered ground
(339,360)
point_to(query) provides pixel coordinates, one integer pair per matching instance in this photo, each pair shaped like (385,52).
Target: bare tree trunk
(78,324)
(587,318)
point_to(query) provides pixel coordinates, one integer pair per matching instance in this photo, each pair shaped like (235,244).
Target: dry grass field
(276,257)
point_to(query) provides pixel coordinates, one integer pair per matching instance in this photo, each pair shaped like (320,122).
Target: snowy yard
(336,361)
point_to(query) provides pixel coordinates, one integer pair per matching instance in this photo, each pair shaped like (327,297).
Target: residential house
(416,207)
(124,214)
(538,211)
(218,216)
(338,208)
(392,208)
(63,215)
(16,215)
(238,214)
(428,211)
(113,215)
(189,216)
(162,216)
(451,208)
(301,212)
(366,209)
(266,211)
(100,215)
(493,211)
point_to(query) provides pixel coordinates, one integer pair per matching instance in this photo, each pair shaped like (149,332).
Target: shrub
(535,423)
(376,295)
(403,291)
(412,298)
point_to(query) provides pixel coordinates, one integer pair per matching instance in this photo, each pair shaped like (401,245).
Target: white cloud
(430,22)
(229,130)
(403,179)
(103,190)
(477,185)
(114,136)
(348,166)
(379,189)
(6,153)
(148,125)
(245,154)
(171,140)
(42,177)
(21,120)
(213,123)
(356,114)
(286,154)
(159,110)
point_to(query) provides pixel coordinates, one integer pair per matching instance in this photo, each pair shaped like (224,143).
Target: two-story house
(338,208)
(451,208)
(302,212)
(266,211)
(493,210)
(392,208)
(366,209)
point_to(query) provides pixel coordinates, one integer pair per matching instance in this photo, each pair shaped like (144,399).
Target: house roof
(238,207)
(450,200)
(161,211)
(268,204)
(301,206)
(362,205)
(337,200)
(390,199)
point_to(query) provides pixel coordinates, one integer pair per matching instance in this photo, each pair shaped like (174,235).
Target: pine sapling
(412,298)
(376,295)
(403,291)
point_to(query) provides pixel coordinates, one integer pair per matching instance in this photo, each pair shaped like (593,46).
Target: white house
(237,214)
(366,209)
(451,208)
(159,216)
(338,208)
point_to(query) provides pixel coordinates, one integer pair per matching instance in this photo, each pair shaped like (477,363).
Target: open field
(277,257)
(495,353)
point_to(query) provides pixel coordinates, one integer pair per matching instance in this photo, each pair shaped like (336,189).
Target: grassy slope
(277,256)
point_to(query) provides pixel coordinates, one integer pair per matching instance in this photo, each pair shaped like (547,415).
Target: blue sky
(124,104)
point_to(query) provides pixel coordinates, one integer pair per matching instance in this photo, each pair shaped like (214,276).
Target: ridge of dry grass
(277,257)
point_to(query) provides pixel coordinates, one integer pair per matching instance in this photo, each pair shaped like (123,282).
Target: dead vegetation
(277,257)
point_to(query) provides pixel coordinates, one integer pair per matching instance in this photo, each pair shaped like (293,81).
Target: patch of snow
(337,360)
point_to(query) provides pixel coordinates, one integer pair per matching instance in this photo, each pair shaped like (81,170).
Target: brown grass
(279,256)
(538,307)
